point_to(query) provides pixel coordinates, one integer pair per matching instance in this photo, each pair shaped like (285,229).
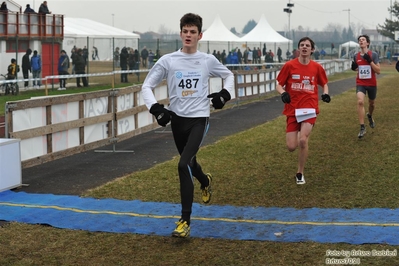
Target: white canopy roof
(218,32)
(104,37)
(76,27)
(264,33)
(350,44)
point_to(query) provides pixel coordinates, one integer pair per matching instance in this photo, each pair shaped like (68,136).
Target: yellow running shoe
(182,229)
(207,191)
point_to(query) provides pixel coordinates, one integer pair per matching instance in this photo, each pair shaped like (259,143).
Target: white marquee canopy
(218,37)
(78,30)
(264,34)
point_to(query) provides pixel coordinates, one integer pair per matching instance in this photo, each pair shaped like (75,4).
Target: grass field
(341,172)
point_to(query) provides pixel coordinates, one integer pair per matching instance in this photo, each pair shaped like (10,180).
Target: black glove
(326,98)
(161,114)
(219,98)
(367,58)
(354,65)
(285,97)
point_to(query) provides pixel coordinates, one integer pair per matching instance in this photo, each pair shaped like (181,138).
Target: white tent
(218,37)
(82,32)
(263,33)
(350,46)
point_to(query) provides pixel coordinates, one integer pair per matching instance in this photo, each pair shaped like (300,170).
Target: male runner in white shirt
(187,72)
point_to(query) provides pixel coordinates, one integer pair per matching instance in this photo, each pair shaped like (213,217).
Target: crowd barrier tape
(70,76)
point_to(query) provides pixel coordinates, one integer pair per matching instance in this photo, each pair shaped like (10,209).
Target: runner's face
(190,37)
(363,42)
(305,48)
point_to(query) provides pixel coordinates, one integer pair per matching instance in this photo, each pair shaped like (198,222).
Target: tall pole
(289,11)
(390,11)
(349,25)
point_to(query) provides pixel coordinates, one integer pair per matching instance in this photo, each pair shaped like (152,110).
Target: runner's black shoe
(371,120)
(361,132)
(300,179)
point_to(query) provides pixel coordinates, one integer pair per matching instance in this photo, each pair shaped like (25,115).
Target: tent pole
(87,63)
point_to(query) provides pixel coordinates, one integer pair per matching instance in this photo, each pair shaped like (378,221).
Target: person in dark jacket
(26,68)
(124,55)
(4,8)
(28,9)
(80,65)
(137,62)
(43,9)
(131,61)
(63,66)
(36,67)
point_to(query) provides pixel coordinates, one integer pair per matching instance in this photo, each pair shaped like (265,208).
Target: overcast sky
(149,15)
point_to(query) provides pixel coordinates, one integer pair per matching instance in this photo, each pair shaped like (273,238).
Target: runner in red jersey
(367,64)
(298,83)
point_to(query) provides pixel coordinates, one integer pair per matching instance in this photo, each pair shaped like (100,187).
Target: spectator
(73,53)
(80,65)
(157,55)
(264,50)
(144,56)
(279,54)
(316,54)
(288,55)
(28,9)
(136,58)
(250,56)
(12,70)
(254,56)
(234,60)
(389,57)
(85,54)
(63,66)
(218,56)
(43,9)
(223,57)
(116,57)
(4,8)
(95,53)
(124,55)
(131,60)
(150,59)
(36,64)
(259,56)
(245,56)
(26,67)
(322,53)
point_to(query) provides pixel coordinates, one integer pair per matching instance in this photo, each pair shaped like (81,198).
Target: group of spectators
(130,59)
(79,62)
(249,56)
(43,9)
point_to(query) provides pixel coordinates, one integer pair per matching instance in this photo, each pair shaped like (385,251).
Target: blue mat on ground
(353,226)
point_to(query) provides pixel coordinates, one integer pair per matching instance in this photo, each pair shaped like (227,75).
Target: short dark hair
(191,19)
(367,39)
(307,39)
